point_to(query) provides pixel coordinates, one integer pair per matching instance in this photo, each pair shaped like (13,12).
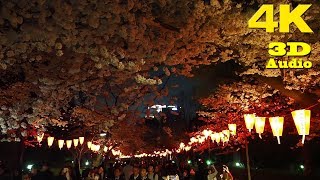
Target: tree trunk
(304,99)
(97,160)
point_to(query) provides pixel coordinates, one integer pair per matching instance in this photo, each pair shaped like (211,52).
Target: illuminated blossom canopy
(91,63)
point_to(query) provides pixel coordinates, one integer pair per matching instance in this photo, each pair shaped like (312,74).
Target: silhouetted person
(136,174)
(45,173)
(118,175)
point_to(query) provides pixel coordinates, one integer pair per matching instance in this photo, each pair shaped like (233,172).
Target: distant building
(156,109)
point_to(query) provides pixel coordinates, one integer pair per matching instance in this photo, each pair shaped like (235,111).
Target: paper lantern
(40,137)
(75,142)
(226,134)
(232,129)
(193,140)
(201,139)
(69,143)
(60,143)
(50,141)
(249,120)
(81,140)
(217,137)
(105,149)
(89,144)
(259,125)
(187,148)
(182,145)
(276,124)
(97,147)
(212,137)
(222,138)
(206,133)
(302,121)
(93,147)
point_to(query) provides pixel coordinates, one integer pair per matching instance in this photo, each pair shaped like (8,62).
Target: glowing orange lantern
(226,134)
(249,120)
(232,129)
(206,133)
(259,125)
(97,147)
(75,142)
(93,147)
(40,137)
(212,136)
(105,149)
(60,143)
(50,141)
(193,140)
(276,124)
(89,144)
(182,145)
(201,139)
(81,140)
(302,121)
(217,137)
(69,143)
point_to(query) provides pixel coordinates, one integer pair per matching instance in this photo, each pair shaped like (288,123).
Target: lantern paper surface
(60,143)
(75,142)
(212,137)
(302,121)
(97,147)
(207,133)
(217,137)
(187,148)
(276,124)
(39,137)
(81,140)
(232,129)
(50,141)
(249,120)
(226,134)
(182,145)
(105,149)
(92,147)
(202,139)
(259,125)
(193,140)
(89,143)
(69,143)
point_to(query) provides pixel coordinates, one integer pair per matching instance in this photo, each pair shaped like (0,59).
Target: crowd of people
(133,171)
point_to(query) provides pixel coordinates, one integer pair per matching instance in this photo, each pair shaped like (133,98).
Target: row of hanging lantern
(301,120)
(75,142)
(155,154)
(223,136)
(68,143)
(61,142)
(218,137)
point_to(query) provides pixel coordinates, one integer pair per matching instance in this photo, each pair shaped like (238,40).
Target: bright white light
(72,162)
(302,166)
(29,166)
(238,164)
(103,134)
(174,109)
(87,163)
